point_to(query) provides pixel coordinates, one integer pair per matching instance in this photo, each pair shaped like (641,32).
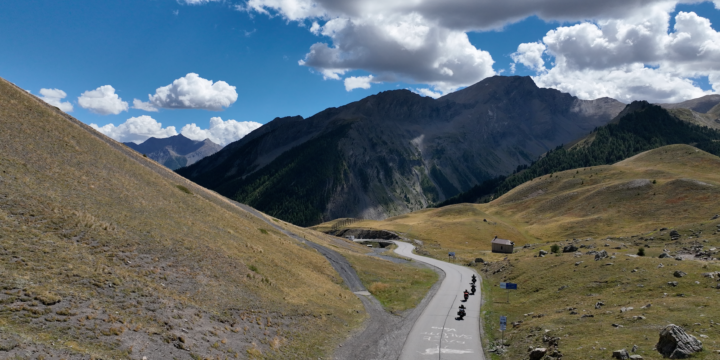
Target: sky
(219,69)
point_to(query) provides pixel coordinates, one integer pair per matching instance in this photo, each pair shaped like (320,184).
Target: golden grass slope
(107,254)
(666,187)
(557,298)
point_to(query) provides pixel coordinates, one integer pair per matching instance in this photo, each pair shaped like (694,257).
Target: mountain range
(396,152)
(176,151)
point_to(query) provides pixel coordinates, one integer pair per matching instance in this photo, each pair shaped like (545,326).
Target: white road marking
(437,350)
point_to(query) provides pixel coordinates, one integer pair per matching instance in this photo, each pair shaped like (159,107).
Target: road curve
(436,334)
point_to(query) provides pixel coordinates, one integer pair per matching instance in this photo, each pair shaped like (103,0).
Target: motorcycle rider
(472,289)
(466,294)
(461,313)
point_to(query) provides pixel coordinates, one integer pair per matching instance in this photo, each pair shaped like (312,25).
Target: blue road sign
(503,323)
(451,254)
(508,286)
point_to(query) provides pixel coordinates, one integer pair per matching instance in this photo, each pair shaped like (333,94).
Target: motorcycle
(472,290)
(461,313)
(465,295)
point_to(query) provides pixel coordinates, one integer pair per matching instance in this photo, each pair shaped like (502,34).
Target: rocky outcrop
(675,343)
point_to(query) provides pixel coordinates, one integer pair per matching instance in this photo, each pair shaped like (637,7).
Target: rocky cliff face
(396,151)
(176,151)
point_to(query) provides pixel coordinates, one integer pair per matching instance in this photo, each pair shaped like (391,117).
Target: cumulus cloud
(147,106)
(103,101)
(197,2)
(54,97)
(220,132)
(427,92)
(636,57)
(425,42)
(136,129)
(530,55)
(193,92)
(358,82)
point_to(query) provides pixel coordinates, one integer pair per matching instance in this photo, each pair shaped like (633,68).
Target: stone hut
(502,246)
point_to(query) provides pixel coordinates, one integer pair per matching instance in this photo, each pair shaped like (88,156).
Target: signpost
(503,325)
(508,286)
(451,255)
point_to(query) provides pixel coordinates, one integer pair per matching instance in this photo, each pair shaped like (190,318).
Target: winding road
(436,334)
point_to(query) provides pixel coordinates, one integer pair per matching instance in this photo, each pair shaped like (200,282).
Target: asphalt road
(436,334)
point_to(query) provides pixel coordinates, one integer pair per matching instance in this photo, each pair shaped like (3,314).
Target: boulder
(479,260)
(679,274)
(675,343)
(570,248)
(542,253)
(673,283)
(674,235)
(620,354)
(636,357)
(601,255)
(599,304)
(537,353)
(664,255)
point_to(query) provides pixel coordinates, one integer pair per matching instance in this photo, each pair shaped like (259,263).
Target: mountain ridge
(401,151)
(175,151)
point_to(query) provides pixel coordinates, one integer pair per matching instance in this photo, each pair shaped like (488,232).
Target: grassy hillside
(556,297)
(666,187)
(106,254)
(640,127)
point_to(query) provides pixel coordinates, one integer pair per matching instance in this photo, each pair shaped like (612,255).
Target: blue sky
(138,46)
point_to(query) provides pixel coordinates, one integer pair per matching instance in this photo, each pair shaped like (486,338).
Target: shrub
(253,268)
(377,287)
(555,249)
(263,231)
(184,189)
(641,252)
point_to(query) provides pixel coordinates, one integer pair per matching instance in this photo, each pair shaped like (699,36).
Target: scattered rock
(710,275)
(634,348)
(646,306)
(516,323)
(664,255)
(661,266)
(578,263)
(673,283)
(626,309)
(587,316)
(537,353)
(620,354)
(608,264)
(563,287)
(601,255)
(674,235)
(679,274)
(542,253)
(617,325)
(715,217)
(675,343)
(479,260)
(599,304)
(636,357)
(570,248)
(639,317)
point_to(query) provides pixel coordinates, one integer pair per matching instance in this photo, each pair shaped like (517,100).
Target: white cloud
(631,58)
(194,92)
(358,82)
(103,101)
(136,129)
(406,48)
(197,2)
(54,97)
(425,42)
(530,55)
(220,132)
(427,92)
(147,106)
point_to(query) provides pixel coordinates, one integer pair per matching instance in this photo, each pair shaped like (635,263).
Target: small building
(502,246)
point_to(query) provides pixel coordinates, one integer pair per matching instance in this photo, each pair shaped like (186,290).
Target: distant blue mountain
(176,151)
